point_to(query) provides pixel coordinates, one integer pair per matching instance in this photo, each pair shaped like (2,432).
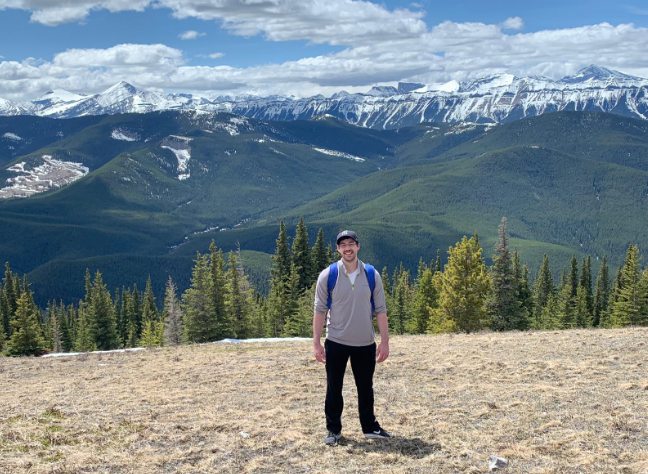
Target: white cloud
(190,35)
(382,46)
(513,23)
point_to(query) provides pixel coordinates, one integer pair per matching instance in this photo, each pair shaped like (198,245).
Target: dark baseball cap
(346,234)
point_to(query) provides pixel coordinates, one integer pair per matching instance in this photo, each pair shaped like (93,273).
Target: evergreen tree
(549,316)
(55,328)
(302,258)
(200,323)
(101,317)
(583,315)
(219,293)
(291,304)
(135,323)
(282,259)
(586,283)
(398,319)
(300,321)
(602,292)
(9,302)
(27,336)
(320,255)
(385,280)
(64,324)
(626,310)
(426,298)
(172,315)
(567,306)
(149,308)
(543,286)
(438,261)
(524,293)
(573,278)
(464,285)
(239,302)
(504,307)
(152,333)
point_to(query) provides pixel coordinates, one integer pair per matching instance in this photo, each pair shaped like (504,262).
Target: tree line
(463,296)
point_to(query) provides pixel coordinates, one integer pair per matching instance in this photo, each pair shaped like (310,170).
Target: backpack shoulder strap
(371,279)
(332,281)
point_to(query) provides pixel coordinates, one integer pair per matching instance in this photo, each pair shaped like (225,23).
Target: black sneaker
(332,438)
(378,434)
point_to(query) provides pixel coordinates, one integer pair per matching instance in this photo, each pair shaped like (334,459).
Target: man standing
(350,335)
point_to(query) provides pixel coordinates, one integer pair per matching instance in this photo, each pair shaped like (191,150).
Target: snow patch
(339,154)
(12,136)
(125,135)
(179,145)
(51,173)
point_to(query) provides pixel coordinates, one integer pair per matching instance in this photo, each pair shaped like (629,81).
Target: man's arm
(318,349)
(383,348)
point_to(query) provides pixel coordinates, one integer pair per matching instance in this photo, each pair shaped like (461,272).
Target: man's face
(348,248)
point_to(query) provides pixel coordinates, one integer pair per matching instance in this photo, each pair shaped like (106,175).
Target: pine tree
(586,283)
(9,302)
(149,308)
(239,304)
(302,258)
(426,298)
(626,310)
(437,265)
(172,315)
(291,304)
(135,322)
(549,316)
(398,318)
(152,333)
(200,323)
(101,316)
(606,317)
(319,254)
(219,293)
(464,285)
(282,258)
(583,315)
(524,293)
(54,318)
(66,331)
(504,307)
(543,286)
(27,336)
(574,280)
(602,292)
(567,306)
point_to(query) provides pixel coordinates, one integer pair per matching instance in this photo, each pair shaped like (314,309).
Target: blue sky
(307,46)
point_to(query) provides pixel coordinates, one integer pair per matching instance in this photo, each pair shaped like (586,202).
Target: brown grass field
(550,402)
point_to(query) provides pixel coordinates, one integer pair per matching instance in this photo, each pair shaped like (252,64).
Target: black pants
(363,364)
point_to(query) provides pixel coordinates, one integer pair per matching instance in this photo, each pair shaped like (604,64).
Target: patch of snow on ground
(179,145)
(461,128)
(12,136)
(339,154)
(125,135)
(51,173)
(227,127)
(226,341)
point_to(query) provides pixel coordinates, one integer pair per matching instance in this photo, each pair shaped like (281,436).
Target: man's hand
(318,351)
(382,352)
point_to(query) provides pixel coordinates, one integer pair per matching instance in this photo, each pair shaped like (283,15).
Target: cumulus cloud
(381,46)
(513,23)
(190,35)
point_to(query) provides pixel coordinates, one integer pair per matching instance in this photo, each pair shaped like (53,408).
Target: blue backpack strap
(371,279)
(332,281)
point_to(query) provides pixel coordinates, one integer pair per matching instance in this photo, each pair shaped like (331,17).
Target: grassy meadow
(550,402)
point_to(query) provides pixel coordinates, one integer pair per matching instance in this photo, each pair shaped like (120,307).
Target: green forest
(461,295)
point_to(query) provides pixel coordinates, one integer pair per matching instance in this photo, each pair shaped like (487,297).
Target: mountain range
(495,99)
(134,195)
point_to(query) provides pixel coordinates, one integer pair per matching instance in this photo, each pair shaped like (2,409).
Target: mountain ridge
(498,98)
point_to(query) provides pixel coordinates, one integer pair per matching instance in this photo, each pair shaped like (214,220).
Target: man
(350,334)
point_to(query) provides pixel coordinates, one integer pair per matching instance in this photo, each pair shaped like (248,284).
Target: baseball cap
(346,234)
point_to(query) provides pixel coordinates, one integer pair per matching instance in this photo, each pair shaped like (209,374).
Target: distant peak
(122,85)
(597,73)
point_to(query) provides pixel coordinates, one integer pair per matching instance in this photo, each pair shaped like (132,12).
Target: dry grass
(550,402)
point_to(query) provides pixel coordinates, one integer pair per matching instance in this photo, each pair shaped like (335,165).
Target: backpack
(371,279)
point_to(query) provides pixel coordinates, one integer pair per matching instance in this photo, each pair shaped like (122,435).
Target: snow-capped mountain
(492,99)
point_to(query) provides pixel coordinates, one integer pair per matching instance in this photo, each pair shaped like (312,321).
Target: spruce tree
(626,310)
(101,316)
(586,283)
(504,308)
(426,298)
(27,336)
(239,304)
(398,319)
(54,318)
(282,259)
(583,315)
(437,266)
(172,315)
(543,285)
(200,323)
(524,293)
(549,316)
(320,255)
(574,280)
(66,332)
(602,292)
(301,254)
(149,308)
(464,286)
(8,305)
(219,293)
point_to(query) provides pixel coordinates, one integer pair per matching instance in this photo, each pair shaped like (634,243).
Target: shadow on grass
(413,447)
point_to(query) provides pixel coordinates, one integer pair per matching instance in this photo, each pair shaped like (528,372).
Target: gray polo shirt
(350,320)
